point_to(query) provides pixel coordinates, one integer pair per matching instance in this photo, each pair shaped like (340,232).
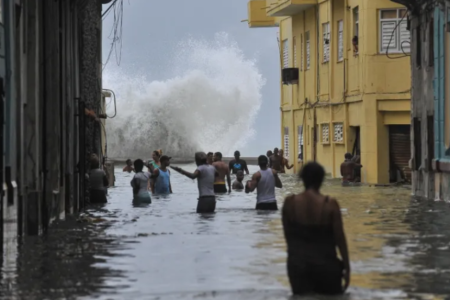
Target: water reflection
(165,250)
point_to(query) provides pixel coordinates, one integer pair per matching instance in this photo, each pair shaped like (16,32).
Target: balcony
(287,8)
(257,16)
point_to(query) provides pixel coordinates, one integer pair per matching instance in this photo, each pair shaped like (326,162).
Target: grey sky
(152,28)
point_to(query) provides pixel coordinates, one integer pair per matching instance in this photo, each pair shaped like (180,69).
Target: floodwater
(398,248)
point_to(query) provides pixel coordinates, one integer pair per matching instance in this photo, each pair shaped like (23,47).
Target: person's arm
(125,169)
(287,164)
(105,180)
(170,184)
(152,182)
(340,240)
(187,174)
(285,215)
(229,180)
(278,183)
(230,167)
(342,173)
(252,184)
(245,167)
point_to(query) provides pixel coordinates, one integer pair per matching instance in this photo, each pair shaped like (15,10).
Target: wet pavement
(398,247)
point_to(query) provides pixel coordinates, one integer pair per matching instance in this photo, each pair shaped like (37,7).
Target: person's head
(269,153)
(200,158)
(156,155)
(129,162)
(217,156)
(240,176)
(237,154)
(209,157)
(276,151)
(160,152)
(348,155)
(165,161)
(312,175)
(138,165)
(355,41)
(262,161)
(94,162)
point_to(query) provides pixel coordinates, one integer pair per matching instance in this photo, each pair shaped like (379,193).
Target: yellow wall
(368,90)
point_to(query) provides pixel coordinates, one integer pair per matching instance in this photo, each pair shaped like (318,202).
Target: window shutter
(294,41)
(341,40)
(326,42)
(286,142)
(405,37)
(308,52)
(387,30)
(300,139)
(301,53)
(285,54)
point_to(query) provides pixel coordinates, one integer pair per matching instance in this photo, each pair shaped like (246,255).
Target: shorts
(97,196)
(206,204)
(325,279)
(267,206)
(220,188)
(142,197)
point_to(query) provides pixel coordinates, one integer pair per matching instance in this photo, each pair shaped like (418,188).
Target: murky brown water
(398,248)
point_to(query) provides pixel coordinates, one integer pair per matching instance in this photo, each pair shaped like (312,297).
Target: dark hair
(262,161)
(164,158)
(94,162)
(157,153)
(237,153)
(355,39)
(269,152)
(209,154)
(275,150)
(128,161)
(138,165)
(200,158)
(312,175)
(240,172)
(218,155)
(348,155)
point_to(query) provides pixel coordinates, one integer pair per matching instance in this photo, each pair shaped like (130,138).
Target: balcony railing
(285,8)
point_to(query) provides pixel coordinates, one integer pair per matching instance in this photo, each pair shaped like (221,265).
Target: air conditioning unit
(289,76)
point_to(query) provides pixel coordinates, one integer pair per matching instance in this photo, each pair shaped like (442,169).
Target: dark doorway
(399,153)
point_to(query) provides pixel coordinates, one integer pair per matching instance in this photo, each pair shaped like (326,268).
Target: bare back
(276,161)
(222,171)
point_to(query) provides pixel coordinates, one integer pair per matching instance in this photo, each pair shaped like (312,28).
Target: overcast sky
(151,28)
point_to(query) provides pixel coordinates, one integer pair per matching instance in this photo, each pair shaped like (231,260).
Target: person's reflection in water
(313,229)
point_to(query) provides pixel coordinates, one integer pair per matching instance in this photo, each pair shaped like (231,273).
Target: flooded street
(398,248)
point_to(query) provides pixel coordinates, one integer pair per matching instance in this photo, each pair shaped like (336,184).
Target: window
(301,52)
(326,41)
(285,54)
(356,21)
(286,142)
(300,142)
(294,42)
(394,34)
(340,41)
(325,133)
(338,136)
(308,51)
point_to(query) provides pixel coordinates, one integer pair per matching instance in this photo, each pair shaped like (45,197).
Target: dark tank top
(310,242)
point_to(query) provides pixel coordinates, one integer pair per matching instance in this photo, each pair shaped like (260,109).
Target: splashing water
(210,106)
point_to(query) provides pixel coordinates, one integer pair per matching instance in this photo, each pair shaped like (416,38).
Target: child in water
(139,183)
(129,167)
(237,184)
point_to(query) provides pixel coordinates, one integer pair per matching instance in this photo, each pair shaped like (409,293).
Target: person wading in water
(98,182)
(284,162)
(275,160)
(205,175)
(152,165)
(139,183)
(237,184)
(238,164)
(313,229)
(269,155)
(129,166)
(210,158)
(348,170)
(223,171)
(264,181)
(161,177)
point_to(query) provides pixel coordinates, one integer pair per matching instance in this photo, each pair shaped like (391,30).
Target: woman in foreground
(313,229)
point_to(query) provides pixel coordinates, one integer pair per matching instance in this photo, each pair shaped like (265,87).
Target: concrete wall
(51,65)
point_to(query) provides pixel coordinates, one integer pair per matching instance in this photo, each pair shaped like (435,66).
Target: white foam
(209,104)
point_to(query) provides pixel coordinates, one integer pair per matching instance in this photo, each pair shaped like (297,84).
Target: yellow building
(338,97)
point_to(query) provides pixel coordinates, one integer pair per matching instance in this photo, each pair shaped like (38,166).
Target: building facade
(50,85)
(345,83)
(430,118)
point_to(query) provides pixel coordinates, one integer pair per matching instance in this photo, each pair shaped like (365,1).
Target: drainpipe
(45,216)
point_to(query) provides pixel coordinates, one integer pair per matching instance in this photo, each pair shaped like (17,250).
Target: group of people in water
(312,222)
